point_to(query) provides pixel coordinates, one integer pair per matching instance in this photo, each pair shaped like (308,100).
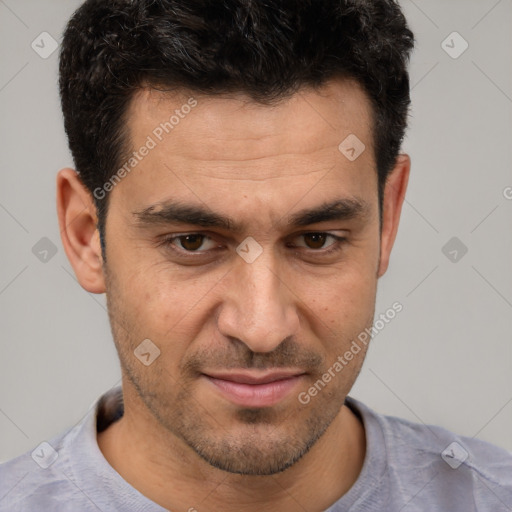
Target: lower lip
(255,395)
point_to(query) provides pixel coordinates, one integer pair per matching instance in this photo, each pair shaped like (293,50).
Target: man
(238,191)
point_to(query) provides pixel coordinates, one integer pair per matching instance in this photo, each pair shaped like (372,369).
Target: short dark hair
(265,49)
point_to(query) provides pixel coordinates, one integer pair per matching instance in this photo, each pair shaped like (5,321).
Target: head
(196,125)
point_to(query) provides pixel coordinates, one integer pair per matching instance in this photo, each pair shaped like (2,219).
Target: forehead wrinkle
(260,179)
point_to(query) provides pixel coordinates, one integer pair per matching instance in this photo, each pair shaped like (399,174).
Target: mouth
(255,389)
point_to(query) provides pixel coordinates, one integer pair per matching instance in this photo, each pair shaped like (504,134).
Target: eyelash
(337,246)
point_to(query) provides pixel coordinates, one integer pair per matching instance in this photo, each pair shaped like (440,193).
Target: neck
(168,472)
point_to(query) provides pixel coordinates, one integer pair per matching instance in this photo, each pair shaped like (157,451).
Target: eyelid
(337,245)
(326,233)
(168,240)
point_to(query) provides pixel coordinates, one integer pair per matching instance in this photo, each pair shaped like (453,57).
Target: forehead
(297,123)
(203,142)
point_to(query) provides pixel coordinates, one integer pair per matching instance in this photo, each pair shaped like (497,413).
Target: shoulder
(410,439)
(435,462)
(28,484)
(43,479)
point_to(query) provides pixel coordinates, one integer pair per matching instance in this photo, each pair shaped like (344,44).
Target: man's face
(243,333)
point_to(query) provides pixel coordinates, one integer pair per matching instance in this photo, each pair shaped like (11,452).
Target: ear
(80,237)
(394,195)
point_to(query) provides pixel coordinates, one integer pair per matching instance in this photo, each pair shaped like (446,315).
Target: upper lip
(246,377)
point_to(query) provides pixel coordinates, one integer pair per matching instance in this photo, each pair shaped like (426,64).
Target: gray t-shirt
(408,467)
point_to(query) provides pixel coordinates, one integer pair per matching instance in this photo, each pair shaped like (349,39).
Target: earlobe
(78,228)
(394,195)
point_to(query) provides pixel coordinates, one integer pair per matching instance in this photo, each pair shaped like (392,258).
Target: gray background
(446,359)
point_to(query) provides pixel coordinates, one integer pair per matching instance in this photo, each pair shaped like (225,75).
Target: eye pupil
(315,240)
(192,242)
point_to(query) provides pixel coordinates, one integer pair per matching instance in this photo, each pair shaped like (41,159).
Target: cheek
(348,287)
(347,311)
(167,307)
(342,305)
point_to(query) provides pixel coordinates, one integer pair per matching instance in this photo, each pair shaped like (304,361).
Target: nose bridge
(263,289)
(259,309)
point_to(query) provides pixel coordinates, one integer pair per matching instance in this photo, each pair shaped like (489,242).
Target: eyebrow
(170,212)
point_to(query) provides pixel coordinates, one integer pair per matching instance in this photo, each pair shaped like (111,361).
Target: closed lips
(253,379)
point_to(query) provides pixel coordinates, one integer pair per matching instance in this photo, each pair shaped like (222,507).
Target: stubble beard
(263,441)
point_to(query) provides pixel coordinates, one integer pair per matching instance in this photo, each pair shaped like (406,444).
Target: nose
(258,308)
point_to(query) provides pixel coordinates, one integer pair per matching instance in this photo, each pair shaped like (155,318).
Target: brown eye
(315,240)
(191,242)
(319,242)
